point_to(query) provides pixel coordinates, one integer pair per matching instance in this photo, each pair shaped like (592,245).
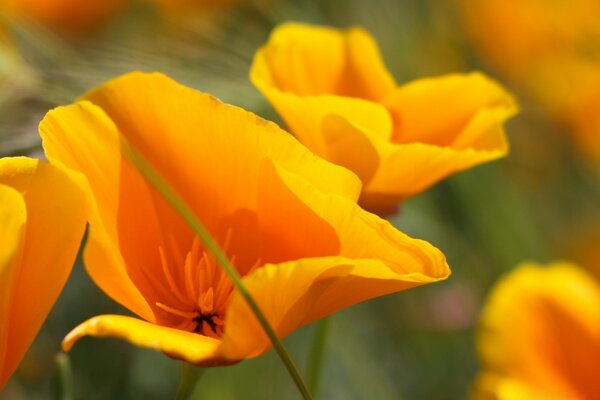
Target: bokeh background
(540,203)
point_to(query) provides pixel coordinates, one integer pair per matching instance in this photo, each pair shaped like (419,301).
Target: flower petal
(368,77)
(182,345)
(13,217)
(541,326)
(363,235)
(296,293)
(304,110)
(438,110)
(351,147)
(312,60)
(57,212)
(375,260)
(162,119)
(82,138)
(408,169)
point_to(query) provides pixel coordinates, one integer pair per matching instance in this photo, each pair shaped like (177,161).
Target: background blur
(540,203)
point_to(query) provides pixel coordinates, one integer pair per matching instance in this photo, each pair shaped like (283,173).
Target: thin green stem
(189,377)
(317,353)
(211,245)
(64,377)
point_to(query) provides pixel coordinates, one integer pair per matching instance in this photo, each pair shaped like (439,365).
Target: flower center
(192,291)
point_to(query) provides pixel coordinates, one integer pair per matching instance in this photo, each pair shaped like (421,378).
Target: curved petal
(305,116)
(303,59)
(82,138)
(366,76)
(187,136)
(393,172)
(182,345)
(375,260)
(351,147)
(215,171)
(438,111)
(295,293)
(13,217)
(57,212)
(309,60)
(362,235)
(345,92)
(541,326)
(408,169)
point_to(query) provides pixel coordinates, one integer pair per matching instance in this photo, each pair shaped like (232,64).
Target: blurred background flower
(550,50)
(539,336)
(538,203)
(337,97)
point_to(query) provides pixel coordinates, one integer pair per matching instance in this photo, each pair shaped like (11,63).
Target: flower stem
(189,377)
(211,245)
(64,382)
(315,361)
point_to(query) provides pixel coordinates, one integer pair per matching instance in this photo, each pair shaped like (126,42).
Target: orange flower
(540,336)
(65,16)
(286,219)
(548,49)
(332,89)
(42,219)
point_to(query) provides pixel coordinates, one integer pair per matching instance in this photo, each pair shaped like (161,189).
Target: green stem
(317,353)
(65,377)
(190,375)
(190,218)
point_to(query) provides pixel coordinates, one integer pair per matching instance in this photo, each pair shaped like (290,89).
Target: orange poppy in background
(549,49)
(42,219)
(335,94)
(287,220)
(540,336)
(64,16)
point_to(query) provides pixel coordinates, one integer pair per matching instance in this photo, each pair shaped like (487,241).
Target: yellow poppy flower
(64,16)
(540,336)
(335,94)
(549,49)
(42,219)
(286,219)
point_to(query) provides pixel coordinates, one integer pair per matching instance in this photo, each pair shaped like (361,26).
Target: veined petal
(375,260)
(438,110)
(363,235)
(295,293)
(541,326)
(182,345)
(13,217)
(82,138)
(57,212)
(183,123)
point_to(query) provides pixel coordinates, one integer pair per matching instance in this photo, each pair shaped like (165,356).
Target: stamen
(169,277)
(189,282)
(174,311)
(196,289)
(206,303)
